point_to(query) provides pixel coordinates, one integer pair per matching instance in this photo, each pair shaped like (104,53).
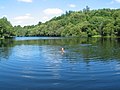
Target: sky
(30,12)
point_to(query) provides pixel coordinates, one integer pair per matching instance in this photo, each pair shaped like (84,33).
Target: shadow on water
(77,49)
(5,48)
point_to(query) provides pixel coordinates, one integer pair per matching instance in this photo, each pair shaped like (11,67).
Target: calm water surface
(36,63)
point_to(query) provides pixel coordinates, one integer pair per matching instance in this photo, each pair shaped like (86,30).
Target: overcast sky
(28,12)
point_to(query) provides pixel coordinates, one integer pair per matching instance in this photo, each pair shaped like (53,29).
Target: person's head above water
(62,49)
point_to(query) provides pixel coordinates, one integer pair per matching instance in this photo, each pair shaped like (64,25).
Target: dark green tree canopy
(6,29)
(84,23)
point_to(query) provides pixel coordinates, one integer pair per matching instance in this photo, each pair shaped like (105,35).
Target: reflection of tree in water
(5,48)
(55,42)
(87,49)
(104,49)
(92,49)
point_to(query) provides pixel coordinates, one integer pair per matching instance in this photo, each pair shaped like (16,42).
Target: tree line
(84,23)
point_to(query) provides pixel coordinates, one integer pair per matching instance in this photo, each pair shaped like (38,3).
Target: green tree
(6,29)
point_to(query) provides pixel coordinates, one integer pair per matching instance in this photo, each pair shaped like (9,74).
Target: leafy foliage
(6,29)
(85,23)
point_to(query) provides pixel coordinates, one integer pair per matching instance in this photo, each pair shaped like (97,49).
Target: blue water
(37,63)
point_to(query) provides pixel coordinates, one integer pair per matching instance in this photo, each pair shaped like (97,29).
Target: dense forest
(84,23)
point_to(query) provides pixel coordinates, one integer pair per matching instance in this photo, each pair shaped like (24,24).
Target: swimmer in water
(62,50)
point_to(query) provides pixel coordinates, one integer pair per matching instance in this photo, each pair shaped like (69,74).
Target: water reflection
(39,64)
(87,48)
(5,48)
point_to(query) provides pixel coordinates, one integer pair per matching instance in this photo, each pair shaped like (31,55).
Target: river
(37,63)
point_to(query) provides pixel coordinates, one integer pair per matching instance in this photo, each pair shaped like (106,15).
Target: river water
(37,63)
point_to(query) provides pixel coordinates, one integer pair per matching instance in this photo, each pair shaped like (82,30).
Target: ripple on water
(33,66)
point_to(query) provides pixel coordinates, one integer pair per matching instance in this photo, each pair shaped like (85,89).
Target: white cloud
(1,16)
(28,1)
(117,1)
(53,11)
(49,13)
(24,17)
(23,20)
(72,5)
(46,18)
(28,19)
